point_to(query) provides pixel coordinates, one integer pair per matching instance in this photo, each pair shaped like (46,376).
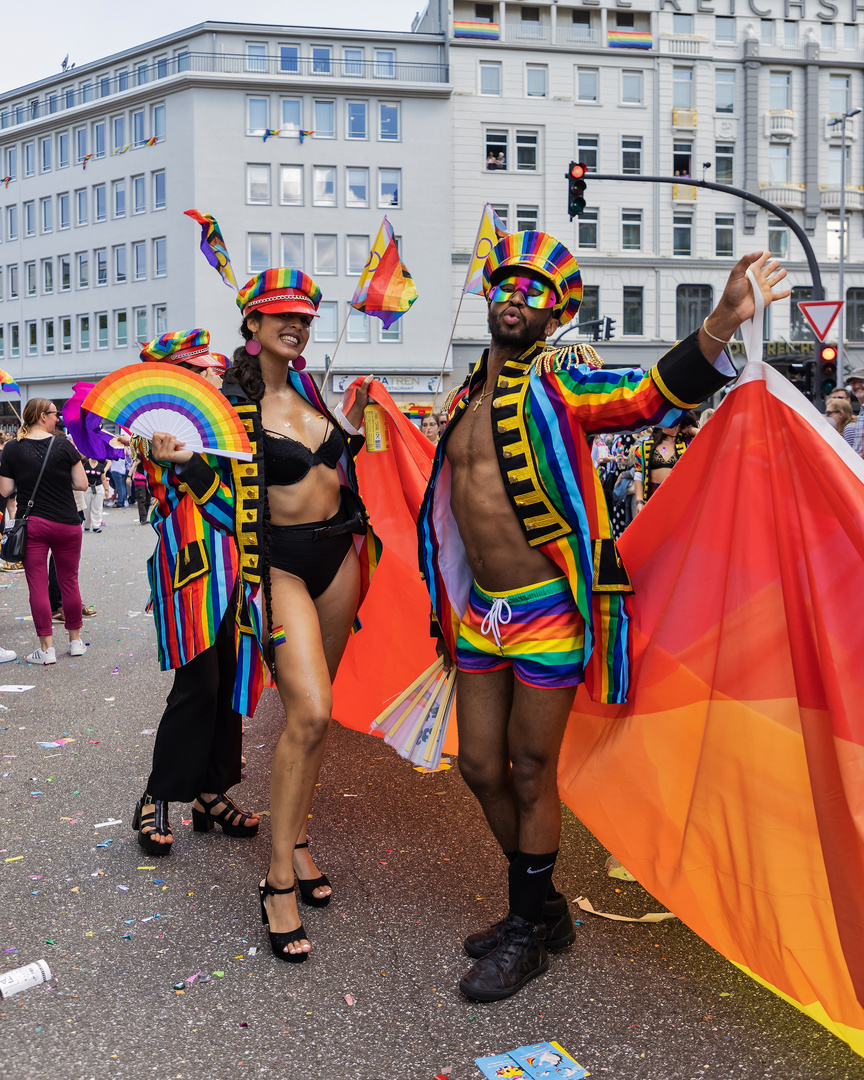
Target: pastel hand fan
(151,397)
(415,724)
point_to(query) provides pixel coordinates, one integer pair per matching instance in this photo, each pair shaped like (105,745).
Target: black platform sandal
(309,885)
(278,942)
(156,822)
(204,820)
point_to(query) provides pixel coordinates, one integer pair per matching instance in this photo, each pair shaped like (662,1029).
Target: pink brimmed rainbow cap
(275,292)
(544,254)
(182,347)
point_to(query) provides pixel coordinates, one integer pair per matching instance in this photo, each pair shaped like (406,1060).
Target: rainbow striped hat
(543,253)
(181,347)
(277,291)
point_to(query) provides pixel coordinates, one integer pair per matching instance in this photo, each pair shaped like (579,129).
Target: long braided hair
(245,371)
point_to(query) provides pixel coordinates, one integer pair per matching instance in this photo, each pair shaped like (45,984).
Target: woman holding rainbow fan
(304,545)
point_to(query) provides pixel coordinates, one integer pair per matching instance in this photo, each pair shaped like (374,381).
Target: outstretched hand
(737,304)
(164,447)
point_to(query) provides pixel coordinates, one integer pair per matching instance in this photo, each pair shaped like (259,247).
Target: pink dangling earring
(299,363)
(253,347)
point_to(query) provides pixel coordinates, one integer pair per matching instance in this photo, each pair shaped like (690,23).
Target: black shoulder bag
(15,541)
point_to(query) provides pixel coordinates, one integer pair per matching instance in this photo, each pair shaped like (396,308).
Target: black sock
(553,893)
(529,877)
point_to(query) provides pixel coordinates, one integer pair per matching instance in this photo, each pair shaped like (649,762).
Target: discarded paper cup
(13,982)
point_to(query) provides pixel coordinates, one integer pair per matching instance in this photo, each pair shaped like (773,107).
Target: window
(324,327)
(46,207)
(102,330)
(356,117)
(2,342)
(119,188)
(390,335)
(47,276)
(321,57)
(536,78)
(291,189)
(526,151)
(724,235)
(503,212)
(120,264)
(259,252)
(527,218)
(63,210)
(159,190)
(838,94)
(258,184)
(139,260)
(30,279)
(778,164)
(12,276)
(693,304)
(29,218)
(767,31)
(11,222)
(161,67)
(496,150)
(682,88)
(724,28)
(141,74)
(778,90)
(65,273)
(48,336)
(121,330)
(356,254)
(586,149)
(631,87)
(587,229)
(160,255)
(29,158)
(45,154)
(63,150)
(138,127)
(352,62)
(631,230)
(86,92)
(682,24)
(123,79)
(631,156)
(388,121)
(385,64)
(633,309)
(682,153)
(832,235)
(723,162)
(799,328)
(159,122)
(325,119)
(52,103)
(80,144)
(138,196)
(140,317)
(855,314)
(258,116)
(99,139)
(256,58)
(356,187)
(66,335)
(834,162)
(790,32)
(682,228)
(389,185)
(778,238)
(292,250)
(100,201)
(490,79)
(289,59)
(358,325)
(31,338)
(325,255)
(83,333)
(12,162)
(101,256)
(829,36)
(323,186)
(160,316)
(14,340)
(292,116)
(724,91)
(850,39)
(587,80)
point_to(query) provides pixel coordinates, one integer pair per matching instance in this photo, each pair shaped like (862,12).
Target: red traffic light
(827,353)
(577,171)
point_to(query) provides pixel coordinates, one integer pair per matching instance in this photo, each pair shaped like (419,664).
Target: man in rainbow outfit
(527,588)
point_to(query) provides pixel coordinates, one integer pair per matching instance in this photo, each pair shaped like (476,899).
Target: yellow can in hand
(375,421)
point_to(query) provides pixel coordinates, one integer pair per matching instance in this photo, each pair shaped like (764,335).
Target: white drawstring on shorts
(498,615)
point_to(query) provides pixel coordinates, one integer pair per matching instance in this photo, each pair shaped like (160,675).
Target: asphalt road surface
(413,869)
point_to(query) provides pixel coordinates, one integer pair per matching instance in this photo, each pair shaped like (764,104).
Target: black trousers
(142,497)
(199,740)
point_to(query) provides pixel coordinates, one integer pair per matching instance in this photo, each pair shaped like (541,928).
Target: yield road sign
(820,314)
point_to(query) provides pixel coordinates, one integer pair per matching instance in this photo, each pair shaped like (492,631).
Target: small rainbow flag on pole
(152,140)
(122,149)
(5,180)
(302,135)
(213,246)
(85,159)
(386,288)
(490,232)
(8,383)
(271,131)
(629,39)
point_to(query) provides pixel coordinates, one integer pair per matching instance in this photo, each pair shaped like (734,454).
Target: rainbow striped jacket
(544,411)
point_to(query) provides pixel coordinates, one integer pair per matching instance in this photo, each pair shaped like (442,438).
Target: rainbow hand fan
(415,724)
(151,397)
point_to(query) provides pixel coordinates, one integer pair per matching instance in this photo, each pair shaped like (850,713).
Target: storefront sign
(395,384)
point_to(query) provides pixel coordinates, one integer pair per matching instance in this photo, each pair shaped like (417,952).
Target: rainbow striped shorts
(538,631)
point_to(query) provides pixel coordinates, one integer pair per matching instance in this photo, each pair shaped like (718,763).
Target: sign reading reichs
(789,10)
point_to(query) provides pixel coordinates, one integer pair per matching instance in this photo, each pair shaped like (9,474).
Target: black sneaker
(519,957)
(560,931)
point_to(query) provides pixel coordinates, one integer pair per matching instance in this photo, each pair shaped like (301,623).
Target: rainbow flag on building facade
(629,39)
(481,30)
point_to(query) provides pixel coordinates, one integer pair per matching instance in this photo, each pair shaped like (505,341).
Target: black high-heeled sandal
(309,885)
(204,820)
(278,942)
(156,822)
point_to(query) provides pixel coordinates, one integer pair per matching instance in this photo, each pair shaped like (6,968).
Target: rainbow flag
(152,141)
(302,135)
(8,383)
(481,30)
(85,159)
(490,232)
(213,246)
(629,39)
(122,149)
(385,289)
(271,131)
(277,635)
(4,180)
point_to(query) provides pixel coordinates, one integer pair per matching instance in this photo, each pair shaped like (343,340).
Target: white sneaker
(6,655)
(76,648)
(42,656)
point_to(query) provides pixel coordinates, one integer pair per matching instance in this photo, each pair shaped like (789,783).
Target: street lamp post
(841,120)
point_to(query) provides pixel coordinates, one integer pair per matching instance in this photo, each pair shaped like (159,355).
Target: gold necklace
(479,401)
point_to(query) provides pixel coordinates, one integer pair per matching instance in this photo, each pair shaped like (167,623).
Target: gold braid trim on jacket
(551,360)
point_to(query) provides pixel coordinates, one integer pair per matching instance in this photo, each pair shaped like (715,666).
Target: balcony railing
(684,118)
(303,67)
(574,37)
(684,193)
(829,198)
(780,124)
(833,133)
(528,32)
(790,196)
(685,45)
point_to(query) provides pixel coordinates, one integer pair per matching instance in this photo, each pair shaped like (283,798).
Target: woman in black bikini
(305,553)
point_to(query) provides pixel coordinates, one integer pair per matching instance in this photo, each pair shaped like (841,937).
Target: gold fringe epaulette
(448,401)
(139,445)
(551,360)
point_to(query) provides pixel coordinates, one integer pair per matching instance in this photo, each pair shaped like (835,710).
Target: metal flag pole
(447,350)
(333,357)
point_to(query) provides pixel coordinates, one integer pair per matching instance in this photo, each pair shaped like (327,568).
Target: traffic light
(826,379)
(609,330)
(576,189)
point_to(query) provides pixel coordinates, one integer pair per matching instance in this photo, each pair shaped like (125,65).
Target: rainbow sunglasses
(538,294)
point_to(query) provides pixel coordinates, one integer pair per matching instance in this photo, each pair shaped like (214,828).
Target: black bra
(287,460)
(657,461)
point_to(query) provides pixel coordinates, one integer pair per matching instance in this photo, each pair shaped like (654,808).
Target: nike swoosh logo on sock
(542,868)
